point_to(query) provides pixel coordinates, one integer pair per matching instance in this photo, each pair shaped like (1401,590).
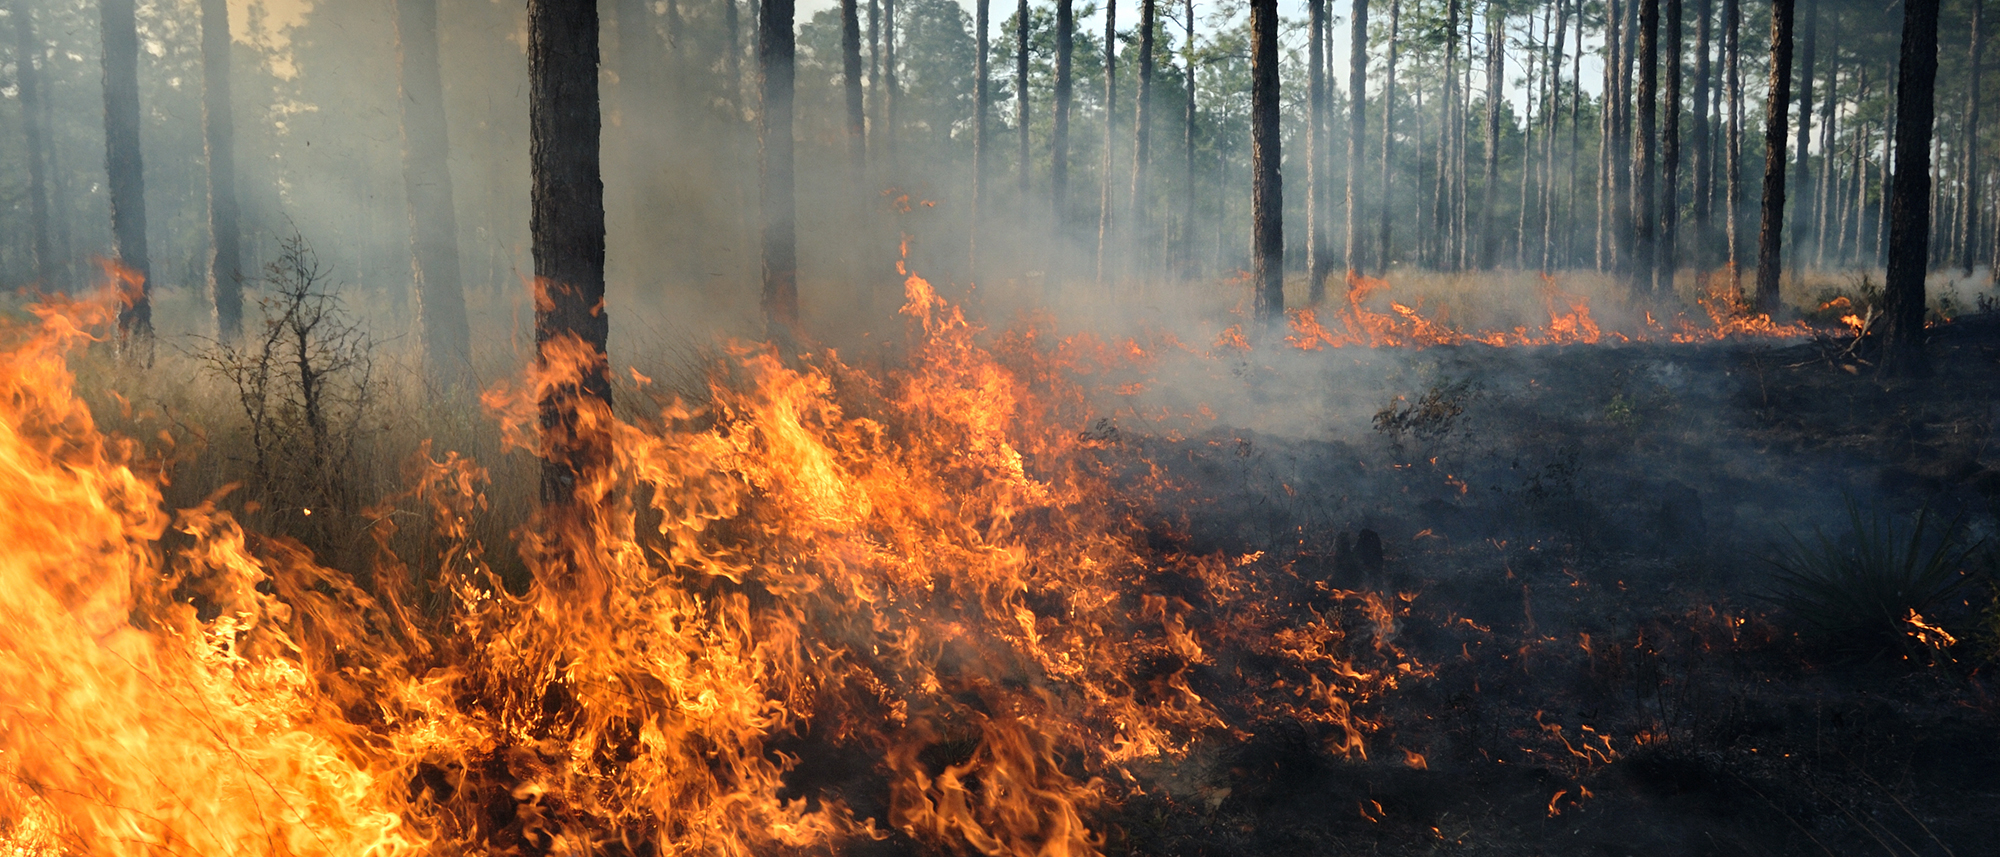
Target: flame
(930,572)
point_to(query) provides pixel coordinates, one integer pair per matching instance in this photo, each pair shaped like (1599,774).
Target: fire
(931,576)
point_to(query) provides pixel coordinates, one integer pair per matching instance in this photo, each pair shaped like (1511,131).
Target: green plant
(1879,590)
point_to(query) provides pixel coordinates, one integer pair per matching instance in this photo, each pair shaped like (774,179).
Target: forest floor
(1582,538)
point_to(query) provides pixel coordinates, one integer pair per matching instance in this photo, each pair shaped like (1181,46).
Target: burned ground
(1583,539)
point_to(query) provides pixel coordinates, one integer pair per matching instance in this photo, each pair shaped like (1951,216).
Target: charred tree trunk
(127,173)
(1389,133)
(1187,131)
(28,78)
(1645,255)
(857,117)
(1777,112)
(981,75)
(1059,133)
(1357,130)
(567,227)
(1670,160)
(1142,130)
(1703,136)
(427,191)
(1449,177)
(1909,213)
(1104,196)
(892,95)
(1267,188)
(1318,261)
(775,165)
(1607,136)
(1969,248)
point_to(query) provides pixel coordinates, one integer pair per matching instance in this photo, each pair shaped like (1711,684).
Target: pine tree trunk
(1670,160)
(1575,144)
(775,53)
(892,94)
(1538,106)
(1496,64)
(1969,249)
(857,117)
(1021,114)
(1909,215)
(1777,119)
(1625,208)
(981,93)
(1823,194)
(1318,261)
(1356,254)
(1187,131)
(1059,134)
(1389,134)
(1732,147)
(1880,252)
(1447,162)
(1703,136)
(1801,166)
(1104,195)
(566,223)
(1645,254)
(127,174)
(1142,132)
(1267,190)
(1607,137)
(28,79)
(447,341)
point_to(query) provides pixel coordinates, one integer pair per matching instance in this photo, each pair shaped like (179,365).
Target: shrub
(1879,591)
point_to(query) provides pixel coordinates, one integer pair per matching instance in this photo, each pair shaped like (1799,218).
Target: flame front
(822,607)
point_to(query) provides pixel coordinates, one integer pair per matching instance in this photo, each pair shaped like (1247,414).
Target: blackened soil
(1582,549)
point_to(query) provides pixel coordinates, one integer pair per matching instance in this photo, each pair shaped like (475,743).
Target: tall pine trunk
(1777,113)
(1909,211)
(1388,135)
(1645,255)
(566,224)
(1732,146)
(1703,135)
(1187,140)
(225,270)
(1969,248)
(981,108)
(1607,136)
(775,164)
(892,91)
(127,173)
(1021,98)
(1801,165)
(1318,261)
(1267,191)
(1496,64)
(1357,129)
(1104,195)
(857,117)
(427,192)
(1059,133)
(1670,159)
(28,78)
(1142,132)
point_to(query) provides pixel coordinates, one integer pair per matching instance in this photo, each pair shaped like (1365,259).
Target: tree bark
(1389,134)
(1670,160)
(1496,59)
(1357,130)
(775,55)
(567,228)
(28,79)
(857,117)
(1607,135)
(1318,261)
(1267,188)
(1142,132)
(1547,220)
(1969,248)
(1645,254)
(1777,119)
(1909,215)
(892,95)
(1059,133)
(126,171)
(427,191)
(1187,129)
